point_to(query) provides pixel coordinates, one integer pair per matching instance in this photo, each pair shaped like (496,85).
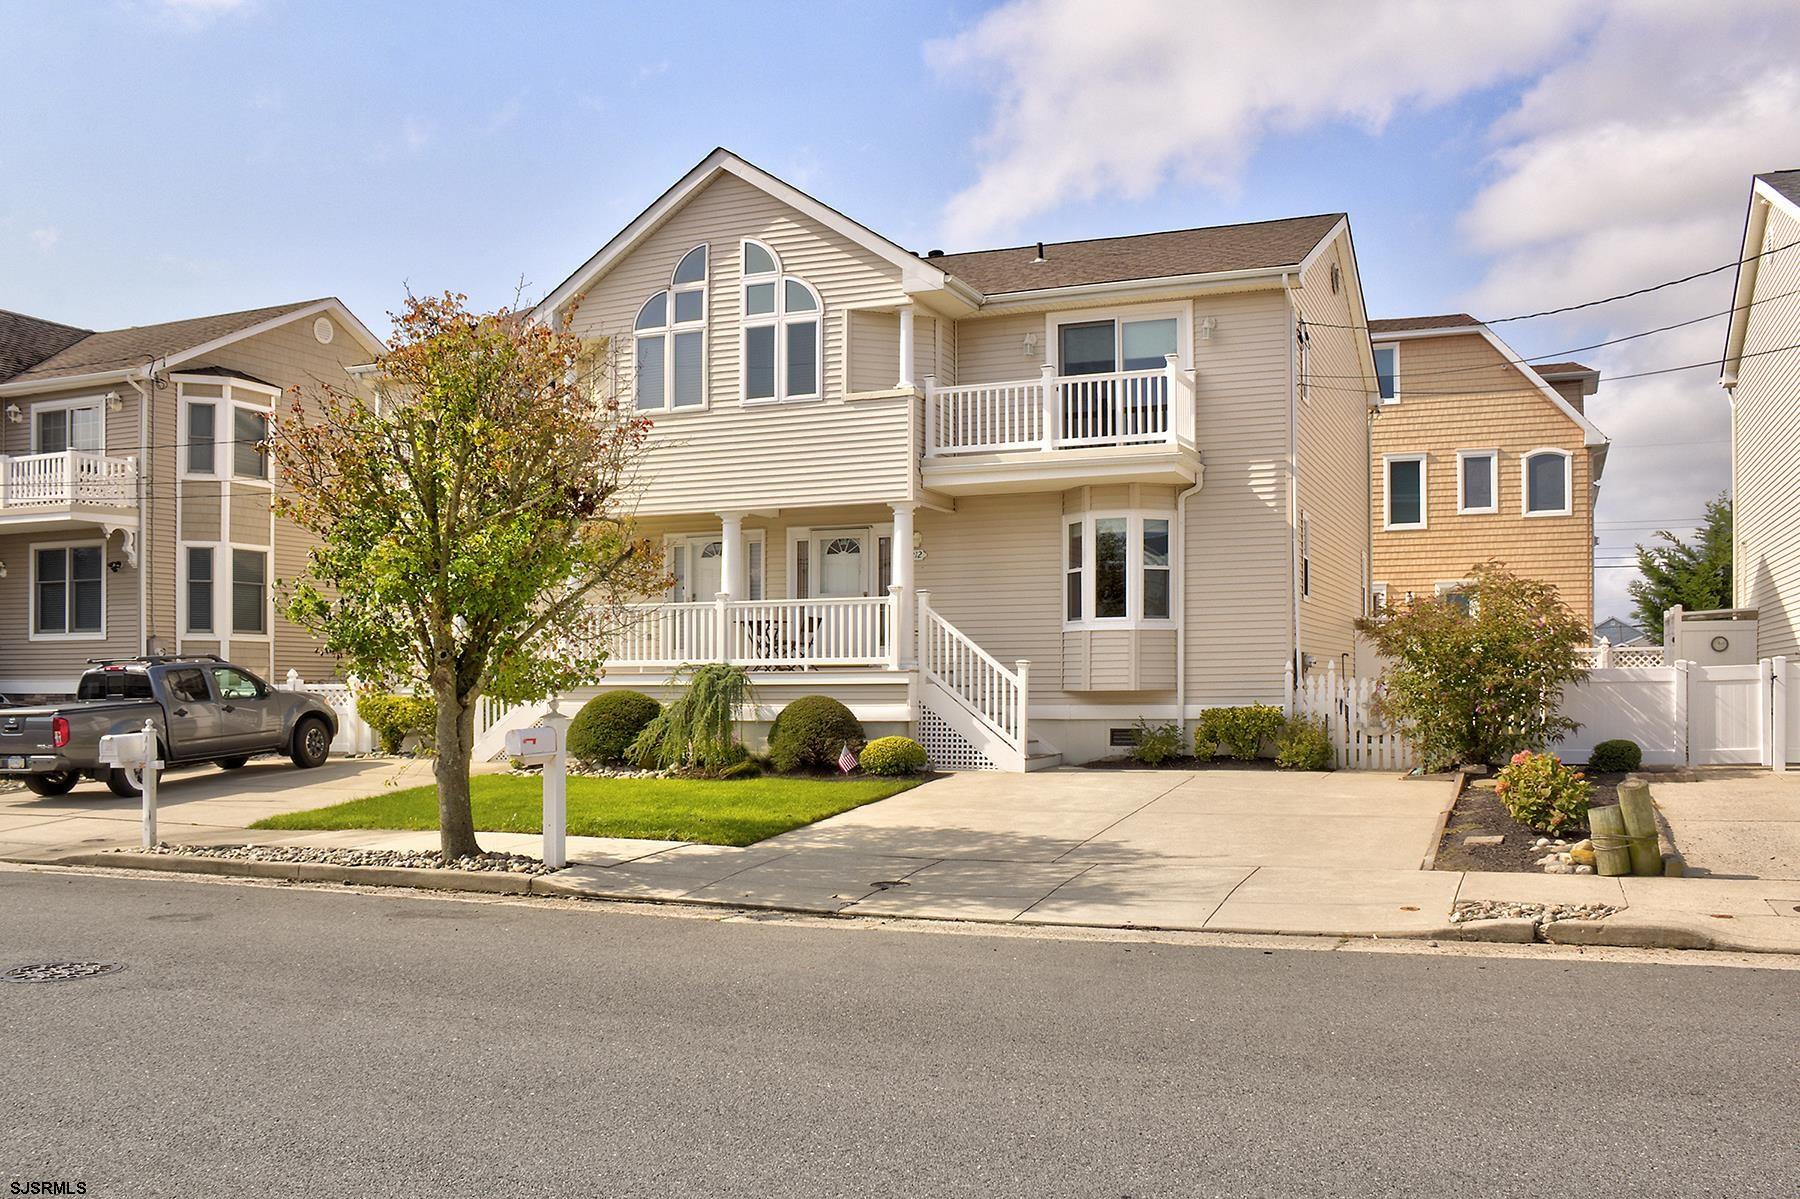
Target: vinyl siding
(56,665)
(726,457)
(1489,405)
(1766,449)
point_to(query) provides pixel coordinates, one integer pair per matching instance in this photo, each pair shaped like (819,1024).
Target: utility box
(1717,637)
(534,744)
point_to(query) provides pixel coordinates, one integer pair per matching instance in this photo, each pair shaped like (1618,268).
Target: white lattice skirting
(947,749)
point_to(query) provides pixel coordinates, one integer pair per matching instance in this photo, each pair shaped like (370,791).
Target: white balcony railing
(858,631)
(71,477)
(1145,407)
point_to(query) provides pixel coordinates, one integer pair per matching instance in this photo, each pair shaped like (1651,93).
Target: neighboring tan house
(1092,455)
(1476,455)
(135,488)
(1762,372)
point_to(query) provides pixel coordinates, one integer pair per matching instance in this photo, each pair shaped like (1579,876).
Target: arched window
(781,325)
(670,339)
(1547,483)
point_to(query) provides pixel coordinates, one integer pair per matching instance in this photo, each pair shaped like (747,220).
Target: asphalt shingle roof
(118,348)
(1260,244)
(1785,182)
(1408,324)
(26,341)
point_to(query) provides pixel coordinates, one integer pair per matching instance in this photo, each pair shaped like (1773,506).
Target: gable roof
(1562,370)
(1215,249)
(1785,184)
(120,350)
(1767,190)
(1412,324)
(26,341)
(915,273)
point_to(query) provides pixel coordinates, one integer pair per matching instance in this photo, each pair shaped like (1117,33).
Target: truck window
(235,684)
(188,686)
(114,684)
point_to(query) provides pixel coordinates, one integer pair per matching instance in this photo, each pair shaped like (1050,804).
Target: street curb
(1443,821)
(492,882)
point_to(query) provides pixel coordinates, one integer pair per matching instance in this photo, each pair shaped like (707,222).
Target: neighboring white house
(1761,369)
(898,478)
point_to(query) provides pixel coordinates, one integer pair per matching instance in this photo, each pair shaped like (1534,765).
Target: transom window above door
(781,324)
(68,427)
(670,340)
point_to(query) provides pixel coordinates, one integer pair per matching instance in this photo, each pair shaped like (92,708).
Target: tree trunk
(455,747)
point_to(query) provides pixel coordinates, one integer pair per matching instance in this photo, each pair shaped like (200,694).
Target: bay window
(781,330)
(1118,568)
(249,591)
(199,586)
(669,340)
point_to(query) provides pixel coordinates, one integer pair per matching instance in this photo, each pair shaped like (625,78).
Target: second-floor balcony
(41,491)
(1057,430)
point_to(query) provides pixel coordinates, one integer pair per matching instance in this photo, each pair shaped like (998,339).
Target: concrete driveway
(1734,822)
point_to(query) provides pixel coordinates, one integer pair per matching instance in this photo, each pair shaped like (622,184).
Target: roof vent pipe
(1040,254)
(934,253)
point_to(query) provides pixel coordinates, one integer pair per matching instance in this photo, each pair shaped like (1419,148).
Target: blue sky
(232,153)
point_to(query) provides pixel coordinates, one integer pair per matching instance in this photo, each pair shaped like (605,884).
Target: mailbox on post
(137,751)
(543,745)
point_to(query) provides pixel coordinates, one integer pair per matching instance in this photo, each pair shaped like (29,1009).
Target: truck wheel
(124,783)
(59,783)
(312,743)
(235,762)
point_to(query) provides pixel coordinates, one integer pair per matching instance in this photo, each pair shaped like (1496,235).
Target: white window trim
(667,331)
(1134,617)
(230,633)
(1493,506)
(1378,598)
(31,604)
(69,403)
(181,596)
(813,533)
(1387,461)
(751,537)
(1182,312)
(260,399)
(1305,556)
(779,320)
(1395,398)
(1568,504)
(1443,588)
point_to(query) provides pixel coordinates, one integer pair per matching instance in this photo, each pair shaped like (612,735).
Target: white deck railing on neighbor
(995,693)
(69,477)
(1054,411)
(858,631)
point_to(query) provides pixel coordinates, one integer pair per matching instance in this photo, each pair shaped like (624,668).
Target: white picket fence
(354,736)
(1682,714)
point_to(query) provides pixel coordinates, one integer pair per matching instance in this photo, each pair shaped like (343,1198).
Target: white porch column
(906,346)
(733,576)
(902,580)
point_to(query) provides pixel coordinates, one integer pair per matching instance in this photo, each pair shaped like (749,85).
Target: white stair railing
(998,696)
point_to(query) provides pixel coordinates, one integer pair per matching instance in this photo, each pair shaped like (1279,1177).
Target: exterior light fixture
(13,414)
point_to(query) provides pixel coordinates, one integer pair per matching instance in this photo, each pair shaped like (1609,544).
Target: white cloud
(1092,107)
(45,238)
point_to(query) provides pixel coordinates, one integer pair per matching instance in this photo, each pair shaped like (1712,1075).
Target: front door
(698,567)
(843,559)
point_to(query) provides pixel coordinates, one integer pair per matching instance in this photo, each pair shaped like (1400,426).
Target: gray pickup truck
(204,709)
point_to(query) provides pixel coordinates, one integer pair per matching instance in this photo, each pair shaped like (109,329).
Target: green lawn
(728,812)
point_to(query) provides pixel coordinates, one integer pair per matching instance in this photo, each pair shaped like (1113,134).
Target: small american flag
(846,759)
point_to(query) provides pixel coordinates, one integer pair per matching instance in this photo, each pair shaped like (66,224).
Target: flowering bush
(1538,790)
(1476,684)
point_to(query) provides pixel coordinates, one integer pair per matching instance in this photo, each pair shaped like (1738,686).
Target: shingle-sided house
(1476,455)
(1761,369)
(898,478)
(135,488)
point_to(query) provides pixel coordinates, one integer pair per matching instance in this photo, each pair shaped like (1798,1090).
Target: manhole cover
(60,972)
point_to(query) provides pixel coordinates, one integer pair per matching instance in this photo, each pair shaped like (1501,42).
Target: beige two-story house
(1477,455)
(1761,370)
(1011,500)
(136,488)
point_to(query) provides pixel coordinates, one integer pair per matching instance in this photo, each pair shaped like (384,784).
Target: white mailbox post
(137,751)
(544,745)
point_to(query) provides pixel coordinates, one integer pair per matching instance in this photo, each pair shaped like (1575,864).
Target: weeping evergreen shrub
(695,732)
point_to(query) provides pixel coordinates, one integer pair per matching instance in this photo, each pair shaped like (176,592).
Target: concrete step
(1042,761)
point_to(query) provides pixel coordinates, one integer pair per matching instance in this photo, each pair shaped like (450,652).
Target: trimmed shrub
(892,755)
(1305,745)
(607,725)
(1615,756)
(396,717)
(1539,791)
(1157,743)
(1241,731)
(812,731)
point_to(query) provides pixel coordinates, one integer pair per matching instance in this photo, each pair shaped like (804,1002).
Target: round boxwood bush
(811,732)
(1614,756)
(892,755)
(608,724)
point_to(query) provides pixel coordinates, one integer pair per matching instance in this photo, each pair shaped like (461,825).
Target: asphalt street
(287,1040)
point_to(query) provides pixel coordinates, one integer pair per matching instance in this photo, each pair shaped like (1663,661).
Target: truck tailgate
(25,731)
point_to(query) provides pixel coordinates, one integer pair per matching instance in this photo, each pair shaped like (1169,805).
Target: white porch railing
(857,631)
(69,477)
(1143,407)
(996,694)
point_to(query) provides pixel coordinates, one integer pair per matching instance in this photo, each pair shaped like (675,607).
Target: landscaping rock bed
(1480,814)
(423,859)
(1542,913)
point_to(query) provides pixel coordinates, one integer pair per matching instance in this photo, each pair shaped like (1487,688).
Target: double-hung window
(1547,483)
(249,443)
(249,591)
(199,589)
(670,340)
(1387,373)
(68,591)
(62,426)
(1117,568)
(781,330)
(1403,494)
(224,430)
(1475,482)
